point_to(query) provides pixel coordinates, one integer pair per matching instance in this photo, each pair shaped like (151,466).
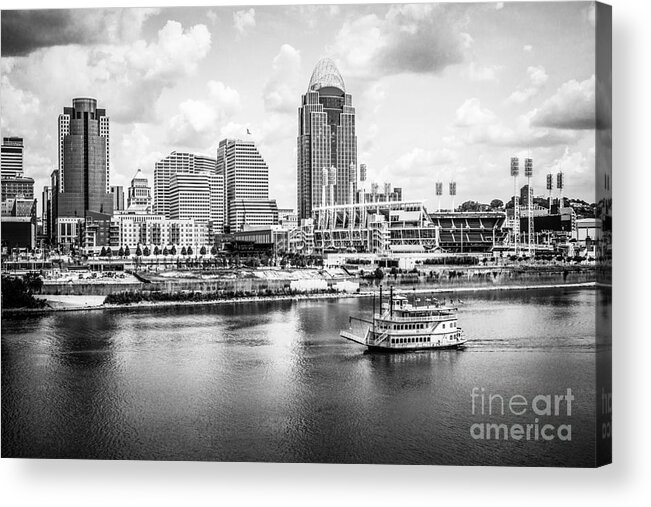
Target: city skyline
(491,90)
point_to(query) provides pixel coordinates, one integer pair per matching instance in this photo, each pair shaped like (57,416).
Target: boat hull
(380,348)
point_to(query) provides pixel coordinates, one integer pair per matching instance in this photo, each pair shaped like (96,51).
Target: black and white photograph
(343,234)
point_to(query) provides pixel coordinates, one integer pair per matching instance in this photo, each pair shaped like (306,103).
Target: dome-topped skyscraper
(326,75)
(327,144)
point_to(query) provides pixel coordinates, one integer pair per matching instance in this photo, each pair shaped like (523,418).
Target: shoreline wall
(436,278)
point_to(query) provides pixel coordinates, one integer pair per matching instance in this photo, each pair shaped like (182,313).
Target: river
(273,381)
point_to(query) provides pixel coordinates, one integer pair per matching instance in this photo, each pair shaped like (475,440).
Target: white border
(67,482)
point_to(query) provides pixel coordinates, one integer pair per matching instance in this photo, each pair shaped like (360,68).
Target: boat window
(444,326)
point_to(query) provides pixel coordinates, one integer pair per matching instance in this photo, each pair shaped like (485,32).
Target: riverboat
(401,325)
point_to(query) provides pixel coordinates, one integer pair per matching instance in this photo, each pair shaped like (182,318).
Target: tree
(379,274)
(213,250)
(189,250)
(146,252)
(165,252)
(156,250)
(109,252)
(203,250)
(497,204)
(121,252)
(103,252)
(184,251)
(138,251)
(173,251)
(127,251)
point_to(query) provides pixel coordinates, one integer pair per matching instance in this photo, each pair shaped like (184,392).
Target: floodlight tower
(560,182)
(515,171)
(550,186)
(453,192)
(439,193)
(528,172)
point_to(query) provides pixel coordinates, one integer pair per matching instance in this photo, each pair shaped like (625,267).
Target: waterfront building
(403,227)
(252,212)
(189,197)
(155,230)
(327,143)
(117,192)
(11,157)
(178,162)
(246,178)
(83,173)
(139,193)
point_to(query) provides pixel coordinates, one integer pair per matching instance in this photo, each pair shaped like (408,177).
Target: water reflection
(274,382)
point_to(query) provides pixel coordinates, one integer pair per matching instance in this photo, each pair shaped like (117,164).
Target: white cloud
(414,38)
(212,16)
(196,125)
(244,20)
(475,125)
(281,91)
(537,79)
(420,160)
(471,113)
(571,107)
(127,79)
(476,72)
(527,48)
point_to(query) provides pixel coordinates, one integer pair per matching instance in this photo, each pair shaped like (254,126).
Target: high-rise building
(83,175)
(117,192)
(139,193)
(174,163)
(189,197)
(11,157)
(326,140)
(246,175)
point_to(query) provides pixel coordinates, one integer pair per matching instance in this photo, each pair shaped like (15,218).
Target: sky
(443,92)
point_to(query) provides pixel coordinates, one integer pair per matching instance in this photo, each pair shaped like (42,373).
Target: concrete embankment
(435,278)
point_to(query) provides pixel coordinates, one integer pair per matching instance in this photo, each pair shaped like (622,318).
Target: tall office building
(327,144)
(176,162)
(11,157)
(526,194)
(83,182)
(246,180)
(189,197)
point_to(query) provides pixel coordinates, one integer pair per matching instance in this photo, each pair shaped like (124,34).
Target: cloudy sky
(442,91)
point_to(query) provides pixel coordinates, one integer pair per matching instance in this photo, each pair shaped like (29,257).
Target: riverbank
(92,303)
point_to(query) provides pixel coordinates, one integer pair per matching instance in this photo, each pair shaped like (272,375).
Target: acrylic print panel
(335,233)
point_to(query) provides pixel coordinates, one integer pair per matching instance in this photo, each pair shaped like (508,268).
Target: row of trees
(146,252)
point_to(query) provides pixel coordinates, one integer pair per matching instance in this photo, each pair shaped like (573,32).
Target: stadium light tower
(528,172)
(439,193)
(515,171)
(559,184)
(550,186)
(453,192)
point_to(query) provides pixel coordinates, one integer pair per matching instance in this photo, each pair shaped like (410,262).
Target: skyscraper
(176,162)
(247,184)
(326,140)
(117,192)
(83,178)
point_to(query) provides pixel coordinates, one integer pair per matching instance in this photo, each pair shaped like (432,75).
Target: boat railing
(427,318)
